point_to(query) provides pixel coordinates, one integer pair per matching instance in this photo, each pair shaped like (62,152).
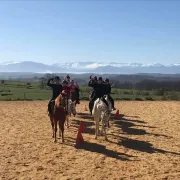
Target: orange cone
(81,127)
(117,116)
(79,138)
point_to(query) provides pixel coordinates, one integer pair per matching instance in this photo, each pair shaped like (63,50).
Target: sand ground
(143,144)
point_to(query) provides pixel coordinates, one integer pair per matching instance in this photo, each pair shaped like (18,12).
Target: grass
(12,91)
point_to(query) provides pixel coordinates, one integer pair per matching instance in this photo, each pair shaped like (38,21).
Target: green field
(13,91)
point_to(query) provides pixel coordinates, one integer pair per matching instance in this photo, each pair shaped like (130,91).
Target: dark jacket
(107,89)
(57,88)
(98,89)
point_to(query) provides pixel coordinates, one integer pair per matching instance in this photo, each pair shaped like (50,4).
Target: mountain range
(89,67)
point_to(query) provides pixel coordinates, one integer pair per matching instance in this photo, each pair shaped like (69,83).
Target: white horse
(71,109)
(101,112)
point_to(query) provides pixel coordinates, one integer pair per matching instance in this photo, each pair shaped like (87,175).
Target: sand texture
(143,144)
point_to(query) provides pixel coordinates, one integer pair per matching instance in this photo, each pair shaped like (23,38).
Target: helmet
(57,78)
(106,80)
(68,77)
(64,82)
(100,78)
(95,78)
(72,81)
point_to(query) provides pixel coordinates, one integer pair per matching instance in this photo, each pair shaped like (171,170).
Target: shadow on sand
(85,116)
(98,148)
(127,127)
(142,146)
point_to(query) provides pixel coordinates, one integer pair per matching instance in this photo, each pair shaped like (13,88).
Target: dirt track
(144,144)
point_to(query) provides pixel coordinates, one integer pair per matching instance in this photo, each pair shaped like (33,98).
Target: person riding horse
(76,90)
(66,90)
(108,92)
(57,89)
(67,79)
(93,80)
(98,91)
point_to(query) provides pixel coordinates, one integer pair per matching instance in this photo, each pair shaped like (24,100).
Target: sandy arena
(143,144)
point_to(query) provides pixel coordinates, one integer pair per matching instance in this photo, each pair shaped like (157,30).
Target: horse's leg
(61,126)
(104,131)
(67,120)
(59,130)
(52,124)
(97,127)
(55,123)
(105,134)
(101,132)
(62,131)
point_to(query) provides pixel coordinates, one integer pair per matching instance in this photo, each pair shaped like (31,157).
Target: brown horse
(59,115)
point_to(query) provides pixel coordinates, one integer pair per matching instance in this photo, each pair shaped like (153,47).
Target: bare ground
(143,144)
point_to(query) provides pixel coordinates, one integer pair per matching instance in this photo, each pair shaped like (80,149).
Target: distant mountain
(89,67)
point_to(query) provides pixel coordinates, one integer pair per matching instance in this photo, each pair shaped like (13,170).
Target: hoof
(95,138)
(55,141)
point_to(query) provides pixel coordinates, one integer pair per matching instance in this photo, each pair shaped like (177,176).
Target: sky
(99,31)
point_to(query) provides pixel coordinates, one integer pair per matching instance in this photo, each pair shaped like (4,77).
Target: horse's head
(60,100)
(72,107)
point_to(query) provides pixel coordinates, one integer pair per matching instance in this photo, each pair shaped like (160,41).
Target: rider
(72,89)
(57,89)
(93,80)
(77,92)
(102,89)
(98,88)
(108,92)
(67,79)
(66,90)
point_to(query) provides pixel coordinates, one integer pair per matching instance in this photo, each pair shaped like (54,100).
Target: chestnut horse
(59,116)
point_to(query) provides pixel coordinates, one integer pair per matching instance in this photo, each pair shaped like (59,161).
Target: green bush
(160,92)
(124,99)
(149,98)
(138,99)
(174,96)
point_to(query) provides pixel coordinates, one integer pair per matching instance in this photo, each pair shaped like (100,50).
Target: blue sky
(109,31)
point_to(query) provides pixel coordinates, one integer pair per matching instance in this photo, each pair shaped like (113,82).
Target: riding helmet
(57,78)
(100,79)
(68,77)
(64,82)
(106,80)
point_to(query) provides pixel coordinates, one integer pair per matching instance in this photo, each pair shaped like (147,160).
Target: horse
(71,109)
(101,113)
(59,115)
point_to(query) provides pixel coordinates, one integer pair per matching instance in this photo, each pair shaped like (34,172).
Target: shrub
(125,99)
(149,98)
(160,92)
(164,98)
(174,96)
(138,99)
